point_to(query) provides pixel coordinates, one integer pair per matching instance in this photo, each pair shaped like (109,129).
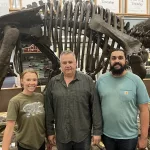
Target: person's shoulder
(55,77)
(104,76)
(38,94)
(16,97)
(133,76)
(83,75)
(80,73)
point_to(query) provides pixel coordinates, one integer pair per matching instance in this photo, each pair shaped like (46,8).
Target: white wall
(26,2)
(4,7)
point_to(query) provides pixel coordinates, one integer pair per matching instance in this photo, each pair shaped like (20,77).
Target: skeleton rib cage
(89,30)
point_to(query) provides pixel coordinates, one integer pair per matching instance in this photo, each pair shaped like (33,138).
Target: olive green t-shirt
(29,114)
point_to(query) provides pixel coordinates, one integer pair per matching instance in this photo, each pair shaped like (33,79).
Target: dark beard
(118,71)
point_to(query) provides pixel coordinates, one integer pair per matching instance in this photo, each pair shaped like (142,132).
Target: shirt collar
(60,77)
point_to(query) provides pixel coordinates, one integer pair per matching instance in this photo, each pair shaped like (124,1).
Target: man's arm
(96,115)
(49,110)
(144,123)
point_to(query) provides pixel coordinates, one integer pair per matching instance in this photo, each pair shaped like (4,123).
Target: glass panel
(16,4)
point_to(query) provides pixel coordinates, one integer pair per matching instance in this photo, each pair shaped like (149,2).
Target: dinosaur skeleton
(89,30)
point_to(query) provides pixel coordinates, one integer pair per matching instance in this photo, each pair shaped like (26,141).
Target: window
(15,4)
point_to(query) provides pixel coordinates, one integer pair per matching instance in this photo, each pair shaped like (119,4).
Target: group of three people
(75,111)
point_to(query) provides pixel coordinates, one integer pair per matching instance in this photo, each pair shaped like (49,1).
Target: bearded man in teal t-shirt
(122,95)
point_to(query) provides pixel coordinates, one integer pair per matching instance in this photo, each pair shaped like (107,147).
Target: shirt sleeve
(12,111)
(142,94)
(96,110)
(49,111)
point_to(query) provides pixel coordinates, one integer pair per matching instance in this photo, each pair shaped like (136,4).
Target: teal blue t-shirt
(120,97)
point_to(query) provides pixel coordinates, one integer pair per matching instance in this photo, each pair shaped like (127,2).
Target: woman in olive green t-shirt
(26,110)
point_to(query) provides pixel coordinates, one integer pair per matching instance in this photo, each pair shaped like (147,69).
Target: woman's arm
(8,135)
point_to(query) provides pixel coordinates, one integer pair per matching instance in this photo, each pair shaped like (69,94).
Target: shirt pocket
(126,95)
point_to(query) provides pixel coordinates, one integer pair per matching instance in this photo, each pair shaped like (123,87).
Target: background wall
(4,7)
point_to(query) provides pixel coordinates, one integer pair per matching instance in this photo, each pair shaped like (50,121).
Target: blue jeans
(119,144)
(84,145)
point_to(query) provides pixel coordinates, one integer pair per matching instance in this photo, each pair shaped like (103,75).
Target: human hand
(52,139)
(49,146)
(142,143)
(96,140)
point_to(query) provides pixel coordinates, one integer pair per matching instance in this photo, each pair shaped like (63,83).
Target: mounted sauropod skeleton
(87,29)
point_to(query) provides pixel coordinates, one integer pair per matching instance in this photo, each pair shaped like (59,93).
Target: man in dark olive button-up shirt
(72,101)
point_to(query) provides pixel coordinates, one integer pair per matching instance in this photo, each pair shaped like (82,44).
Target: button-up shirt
(74,109)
